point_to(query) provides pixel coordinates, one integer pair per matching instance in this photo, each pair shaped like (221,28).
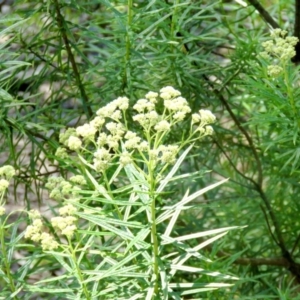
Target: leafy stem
(78,271)
(153,225)
(289,90)
(5,256)
(128,43)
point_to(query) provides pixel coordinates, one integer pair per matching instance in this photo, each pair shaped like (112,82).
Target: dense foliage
(61,61)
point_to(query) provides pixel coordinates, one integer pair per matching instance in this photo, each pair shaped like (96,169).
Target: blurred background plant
(62,60)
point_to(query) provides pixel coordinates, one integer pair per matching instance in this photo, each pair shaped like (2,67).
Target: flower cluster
(6,173)
(36,234)
(281,47)
(61,188)
(202,119)
(63,224)
(111,138)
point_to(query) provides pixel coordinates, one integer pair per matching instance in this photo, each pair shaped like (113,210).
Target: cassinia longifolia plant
(115,234)
(276,84)
(282,48)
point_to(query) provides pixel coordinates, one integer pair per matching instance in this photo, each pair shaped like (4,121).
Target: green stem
(78,271)
(111,195)
(128,41)
(129,21)
(289,89)
(174,20)
(6,269)
(153,228)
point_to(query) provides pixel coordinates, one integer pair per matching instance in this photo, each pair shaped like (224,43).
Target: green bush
(63,61)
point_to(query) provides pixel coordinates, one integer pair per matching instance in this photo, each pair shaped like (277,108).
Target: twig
(296,243)
(265,15)
(253,261)
(277,229)
(297,19)
(296,58)
(232,163)
(268,224)
(61,25)
(245,261)
(241,128)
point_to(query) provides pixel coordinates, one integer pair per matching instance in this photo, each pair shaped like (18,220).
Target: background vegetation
(62,60)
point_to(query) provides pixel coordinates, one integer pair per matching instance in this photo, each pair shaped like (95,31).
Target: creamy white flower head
(101,160)
(112,141)
(153,117)
(132,140)
(143,105)
(125,158)
(154,155)
(130,135)
(122,103)
(196,118)
(177,105)
(3,185)
(61,153)
(147,119)
(292,40)
(116,115)
(102,154)
(67,210)
(107,110)
(278,32)
(69,230)
(7,171)
(79,179)
(58,222)
(151,96)
(38,224)
(268,45)
(139,118)
(265,55)
(101,141)
(86,131)
(64,136)
(209,130)
(169,92)
(2,210)
(97,122)
(162,126)
(30,230)
(143,146)
(207,117)
(115,128)
(201,130)
(287,53)
(36,237)
(274,70)
(179,116)
(34,214)
(168,153)
(281,47)
(100,165)
(66,187)
(74,143)
(70,220)
(48,242)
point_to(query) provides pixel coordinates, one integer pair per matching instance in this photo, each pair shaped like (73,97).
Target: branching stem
(62,27)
